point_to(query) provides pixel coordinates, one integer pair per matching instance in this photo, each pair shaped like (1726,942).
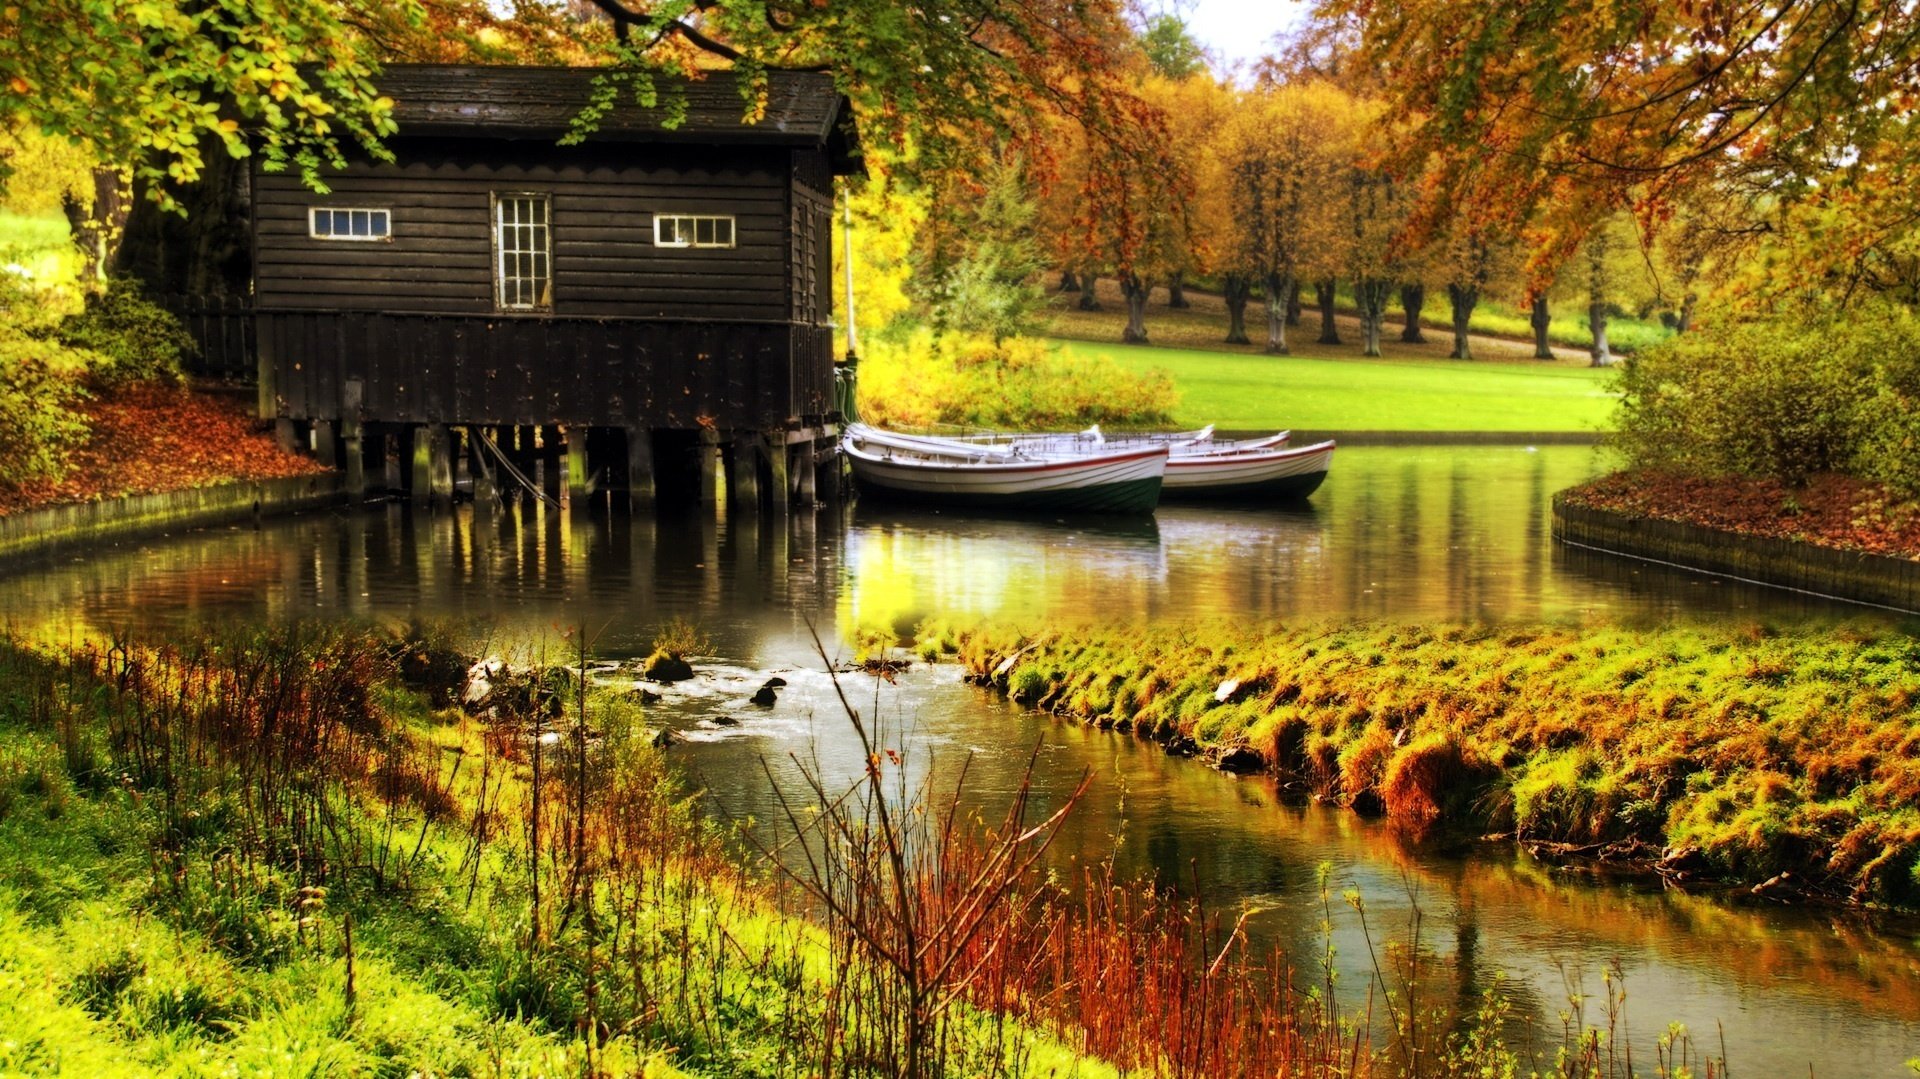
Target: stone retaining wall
(1881,580)
(44,531)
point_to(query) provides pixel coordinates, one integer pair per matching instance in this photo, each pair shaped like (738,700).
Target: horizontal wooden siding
(440,257)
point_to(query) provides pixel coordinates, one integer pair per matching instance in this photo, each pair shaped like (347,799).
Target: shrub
(1019,383)
(1784,398)
(134,339)
(39,417)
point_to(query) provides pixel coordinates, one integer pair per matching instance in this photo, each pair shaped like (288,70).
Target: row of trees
(1304,181)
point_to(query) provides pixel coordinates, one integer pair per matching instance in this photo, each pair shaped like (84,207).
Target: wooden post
(481,466)
(440,462)
(706,467)
(550,457)
(354,442)
(326,447)
(774,451)
(743,469)
(578,481)
(421,489)
(805,476)
(386,444)
(285,433)
(640,468)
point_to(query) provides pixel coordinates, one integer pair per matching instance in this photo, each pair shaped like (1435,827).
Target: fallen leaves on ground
(148,439)
(1830,510)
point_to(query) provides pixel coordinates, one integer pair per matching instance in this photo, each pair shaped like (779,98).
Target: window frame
(495,227)
(374,213)
(691,224)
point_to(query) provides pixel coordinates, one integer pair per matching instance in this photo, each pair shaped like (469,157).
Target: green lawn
(1316,394)
(39,245)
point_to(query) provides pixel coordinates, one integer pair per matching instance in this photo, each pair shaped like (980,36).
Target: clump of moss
(1749,751)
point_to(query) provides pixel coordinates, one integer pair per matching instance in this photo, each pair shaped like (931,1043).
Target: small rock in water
(764,697)
(667,667)
(664,737)
(648,696)
(776,682)
(1242,760)
(725,721)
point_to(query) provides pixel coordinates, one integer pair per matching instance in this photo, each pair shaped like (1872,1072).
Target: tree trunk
(208,249)
(1323,295)
(1279,286)
(1464,299)
(1238,288)
(1089,300)
(1067,282)
(1177,290)
(1136,291)
(1541,319)
(1412,299)
(99,224)
(1293,303)
(1597,322)
(1685,321)
(1372,298)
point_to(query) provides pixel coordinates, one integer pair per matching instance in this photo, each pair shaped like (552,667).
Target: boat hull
(1121,484)
(1281,475)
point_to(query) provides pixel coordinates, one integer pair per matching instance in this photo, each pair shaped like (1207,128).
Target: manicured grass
(1317,393)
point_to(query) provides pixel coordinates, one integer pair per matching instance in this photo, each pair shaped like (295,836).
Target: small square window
(692,230)
(349,223)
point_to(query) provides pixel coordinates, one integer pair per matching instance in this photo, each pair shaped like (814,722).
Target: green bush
(1018,383)
(39,397)
(1784,398)
(136,340)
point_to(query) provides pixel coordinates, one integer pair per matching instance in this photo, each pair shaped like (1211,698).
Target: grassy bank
(1717,754)
(1310,393)
(288,853)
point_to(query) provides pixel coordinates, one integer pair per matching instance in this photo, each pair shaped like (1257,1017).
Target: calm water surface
(1398,534)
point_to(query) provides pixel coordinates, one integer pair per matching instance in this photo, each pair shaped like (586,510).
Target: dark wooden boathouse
(651,298)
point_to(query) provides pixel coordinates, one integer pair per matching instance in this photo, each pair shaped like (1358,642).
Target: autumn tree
(1284,156)
(1640,103)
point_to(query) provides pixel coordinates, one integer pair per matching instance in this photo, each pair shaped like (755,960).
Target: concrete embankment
(51,529)
(1857,576)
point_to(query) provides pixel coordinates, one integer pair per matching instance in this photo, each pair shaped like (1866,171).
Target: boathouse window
(690,230)
(523,272)
(348,223)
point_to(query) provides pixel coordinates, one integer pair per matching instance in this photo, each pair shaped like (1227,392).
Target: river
(1396,534)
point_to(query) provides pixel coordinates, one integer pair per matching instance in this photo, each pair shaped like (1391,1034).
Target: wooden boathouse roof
(804,109)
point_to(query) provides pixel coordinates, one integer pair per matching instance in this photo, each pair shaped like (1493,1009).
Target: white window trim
(313,223)
(499,253)
(692,221)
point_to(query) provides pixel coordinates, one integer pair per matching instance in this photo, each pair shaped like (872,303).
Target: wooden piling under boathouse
(630,314)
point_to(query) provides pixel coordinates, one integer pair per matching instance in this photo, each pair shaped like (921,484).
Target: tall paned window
(523,242)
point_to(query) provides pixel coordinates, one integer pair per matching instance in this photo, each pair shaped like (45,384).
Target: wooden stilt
(640,468)
(353,441)
(774,454)
(706,467)
(386,444)
(805,474)
(481,466)
(579,484)
(743,469)
(421,489)
(440,464)
(326,447)
(550,460)
(287,435)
